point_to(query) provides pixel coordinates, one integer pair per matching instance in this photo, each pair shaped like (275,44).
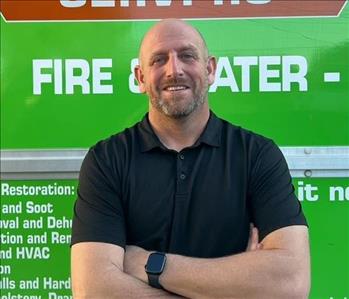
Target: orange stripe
(54,10)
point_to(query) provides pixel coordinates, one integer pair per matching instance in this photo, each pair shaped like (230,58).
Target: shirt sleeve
(98,211)
(274,204)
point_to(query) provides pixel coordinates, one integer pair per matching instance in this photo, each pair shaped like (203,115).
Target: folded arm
(97,273)
(280,269)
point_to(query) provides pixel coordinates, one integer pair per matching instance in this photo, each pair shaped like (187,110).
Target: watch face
(156,263)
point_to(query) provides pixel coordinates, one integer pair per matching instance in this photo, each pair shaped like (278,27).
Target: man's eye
(158,60)
(187,56)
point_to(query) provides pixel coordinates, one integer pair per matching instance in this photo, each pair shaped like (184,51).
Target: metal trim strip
(319,161)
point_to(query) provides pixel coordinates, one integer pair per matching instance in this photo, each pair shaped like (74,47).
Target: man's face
(175,71)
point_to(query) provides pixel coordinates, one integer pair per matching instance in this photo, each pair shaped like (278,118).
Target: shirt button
(181,156)
(182,176)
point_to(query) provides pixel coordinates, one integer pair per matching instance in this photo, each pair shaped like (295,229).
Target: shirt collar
(210,136)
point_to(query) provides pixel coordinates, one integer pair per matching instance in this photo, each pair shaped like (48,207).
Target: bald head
(175,70)
(171,29)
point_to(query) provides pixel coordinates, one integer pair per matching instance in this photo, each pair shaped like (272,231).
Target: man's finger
(253,239)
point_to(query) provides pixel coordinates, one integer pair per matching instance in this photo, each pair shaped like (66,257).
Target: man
(187,184)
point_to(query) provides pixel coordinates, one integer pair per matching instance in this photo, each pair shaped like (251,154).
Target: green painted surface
(328,219)
(318,116)
(33,261)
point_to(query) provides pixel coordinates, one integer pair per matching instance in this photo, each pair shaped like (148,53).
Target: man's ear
(211,69)
(140,78)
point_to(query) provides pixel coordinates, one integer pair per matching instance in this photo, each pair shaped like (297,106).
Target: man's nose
(174,67)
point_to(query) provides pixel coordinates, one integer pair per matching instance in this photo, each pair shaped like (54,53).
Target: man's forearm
(280,270)
(116,284)
(255,274)
(98,273)
(278,267)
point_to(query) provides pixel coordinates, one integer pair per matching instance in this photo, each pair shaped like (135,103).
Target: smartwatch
(154,267)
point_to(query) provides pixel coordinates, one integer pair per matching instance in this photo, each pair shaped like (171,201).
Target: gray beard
(177,112)
(171,110)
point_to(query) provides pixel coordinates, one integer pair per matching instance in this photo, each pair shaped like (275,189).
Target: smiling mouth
(176,88)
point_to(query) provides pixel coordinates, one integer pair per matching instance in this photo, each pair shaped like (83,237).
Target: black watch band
(154,267)
(153,280)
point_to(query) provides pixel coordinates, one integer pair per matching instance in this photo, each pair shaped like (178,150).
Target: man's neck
(177,134)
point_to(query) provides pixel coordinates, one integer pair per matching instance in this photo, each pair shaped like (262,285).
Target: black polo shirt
(196,202)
